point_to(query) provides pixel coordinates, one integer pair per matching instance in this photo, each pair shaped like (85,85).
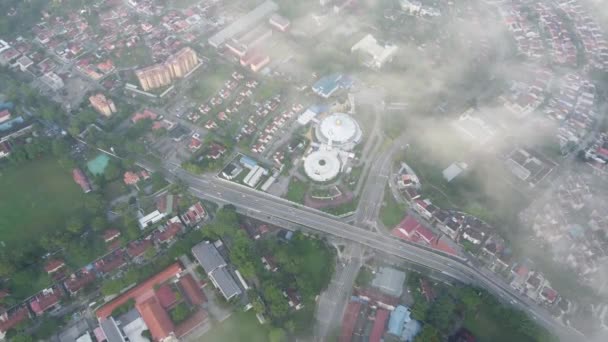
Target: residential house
(46,300)
(79,280)
(111,262)
(450,226)
(216,151)
(293,299)
(81,179)
(425,208)
(167,203)
(168,233)
(11,318)
(53,266)
(473,235)
(5,149)
(548,294)
(194,215)
(136,249)
(269,263)
(110,235)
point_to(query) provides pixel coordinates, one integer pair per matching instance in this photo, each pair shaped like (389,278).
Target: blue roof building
(328,85)
(410,330)
(248,162)
(402,325)
(399,317)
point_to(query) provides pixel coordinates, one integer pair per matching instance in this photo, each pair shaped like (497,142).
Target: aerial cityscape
(312,170)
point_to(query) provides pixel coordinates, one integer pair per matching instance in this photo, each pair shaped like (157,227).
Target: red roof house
(45,300)
(110,235)
(53,266)
(168,233)
(138,248)
(111,262)
(379,325)
(139,292)
(192,290)
(195,214)
(549,294)
(10,319)
(146,114)
(81,180)
(5,115)
(131,178)
(166,296)
(77,281)
(195,144)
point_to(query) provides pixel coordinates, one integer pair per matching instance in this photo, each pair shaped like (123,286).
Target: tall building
(182,62)
(154,76)
(163,74)
(102,105)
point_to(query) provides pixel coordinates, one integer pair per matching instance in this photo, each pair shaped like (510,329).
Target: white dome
(322,165)
(339,130)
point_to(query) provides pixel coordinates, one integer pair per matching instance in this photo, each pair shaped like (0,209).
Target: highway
(275,209)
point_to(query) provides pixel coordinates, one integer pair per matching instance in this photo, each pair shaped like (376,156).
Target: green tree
(441,312)
(75,225)
(242,254)
(470,299)
(428,334)
(180,313)
(94,204)
(112,171)
(99,223)
(60,148)
(6,267)
(277,303)
(146,334)
(22,337)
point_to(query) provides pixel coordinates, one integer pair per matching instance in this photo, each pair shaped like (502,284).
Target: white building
(339,130)
(254,176)
(150,219)
(375,54)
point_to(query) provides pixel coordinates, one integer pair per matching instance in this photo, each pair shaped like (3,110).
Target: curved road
(275,209)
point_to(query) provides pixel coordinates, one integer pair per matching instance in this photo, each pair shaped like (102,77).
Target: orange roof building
(156,318)
(140,292)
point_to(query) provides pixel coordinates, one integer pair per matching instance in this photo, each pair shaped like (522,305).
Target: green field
(297,190)
(391,212)
(207,84)
(36,197)
(241,326)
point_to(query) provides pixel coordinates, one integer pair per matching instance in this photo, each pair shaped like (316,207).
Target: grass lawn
(241,326)
(207,84)
(36,197)
(139,55)
(115,189)
(297,190)
(391,212)
(343,208)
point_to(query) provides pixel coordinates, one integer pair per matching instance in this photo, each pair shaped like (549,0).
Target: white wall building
(375,53)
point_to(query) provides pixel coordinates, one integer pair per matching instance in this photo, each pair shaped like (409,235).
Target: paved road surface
(274,209)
